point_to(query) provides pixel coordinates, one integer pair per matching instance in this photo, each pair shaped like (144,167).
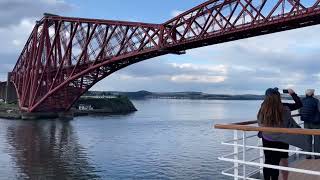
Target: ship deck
(309,164)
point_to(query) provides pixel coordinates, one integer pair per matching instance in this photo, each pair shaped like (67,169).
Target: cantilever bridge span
(64,56)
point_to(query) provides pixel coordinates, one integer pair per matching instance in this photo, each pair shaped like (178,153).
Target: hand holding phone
(288,91)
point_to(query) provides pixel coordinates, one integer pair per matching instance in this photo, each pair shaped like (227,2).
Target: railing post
(235,151)
(244,143)
(296,148)
(261,156)
(297,154)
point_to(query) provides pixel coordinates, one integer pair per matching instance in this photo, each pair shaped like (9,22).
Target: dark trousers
(273,158)
(316,144)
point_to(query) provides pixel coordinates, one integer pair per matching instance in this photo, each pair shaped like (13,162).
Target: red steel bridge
(64,56)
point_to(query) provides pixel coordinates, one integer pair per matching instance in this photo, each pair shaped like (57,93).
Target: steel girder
(64,57)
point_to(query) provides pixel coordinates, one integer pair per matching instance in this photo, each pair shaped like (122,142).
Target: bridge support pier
(10,92)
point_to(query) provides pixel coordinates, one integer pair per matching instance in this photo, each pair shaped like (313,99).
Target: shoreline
(95,106)
(120,106)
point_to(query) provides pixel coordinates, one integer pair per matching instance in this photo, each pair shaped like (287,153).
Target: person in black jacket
(310,115)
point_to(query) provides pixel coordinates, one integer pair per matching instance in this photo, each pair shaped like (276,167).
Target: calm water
(165,139)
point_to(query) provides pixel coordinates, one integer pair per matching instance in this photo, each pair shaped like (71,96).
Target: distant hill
(130,95)
(175,95)
(180,95)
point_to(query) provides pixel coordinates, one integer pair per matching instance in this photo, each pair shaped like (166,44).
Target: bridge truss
(64,57)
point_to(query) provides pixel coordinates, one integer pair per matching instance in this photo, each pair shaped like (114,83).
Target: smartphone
(285,91)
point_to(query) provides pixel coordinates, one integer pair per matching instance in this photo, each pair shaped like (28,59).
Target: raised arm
(297,102)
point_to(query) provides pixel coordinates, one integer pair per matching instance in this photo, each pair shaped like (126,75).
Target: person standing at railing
(310,115)
(292,107)
(274,113)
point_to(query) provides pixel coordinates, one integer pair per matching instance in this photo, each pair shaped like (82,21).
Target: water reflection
(48,150)
(165,139)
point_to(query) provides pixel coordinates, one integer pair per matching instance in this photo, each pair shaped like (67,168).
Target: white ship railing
(246,162)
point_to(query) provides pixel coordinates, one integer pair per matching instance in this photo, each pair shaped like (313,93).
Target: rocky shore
(9,111)
(96,105)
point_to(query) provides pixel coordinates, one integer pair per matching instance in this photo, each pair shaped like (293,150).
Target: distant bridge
(64,57)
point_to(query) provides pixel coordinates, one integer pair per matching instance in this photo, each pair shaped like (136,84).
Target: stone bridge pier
(7,91)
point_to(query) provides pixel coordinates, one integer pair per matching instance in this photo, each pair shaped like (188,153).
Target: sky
(286,60)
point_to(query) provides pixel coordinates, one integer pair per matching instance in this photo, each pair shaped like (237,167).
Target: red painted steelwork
(64,57)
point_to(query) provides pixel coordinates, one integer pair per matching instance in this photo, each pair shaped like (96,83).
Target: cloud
(13,11)
(14,37)
(17,19)
(200,68)
(182,77)
(198,78)
(175,13)
(178,72)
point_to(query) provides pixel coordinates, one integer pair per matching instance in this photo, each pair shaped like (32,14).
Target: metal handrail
(245,126)
(241,142)
(268,129)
